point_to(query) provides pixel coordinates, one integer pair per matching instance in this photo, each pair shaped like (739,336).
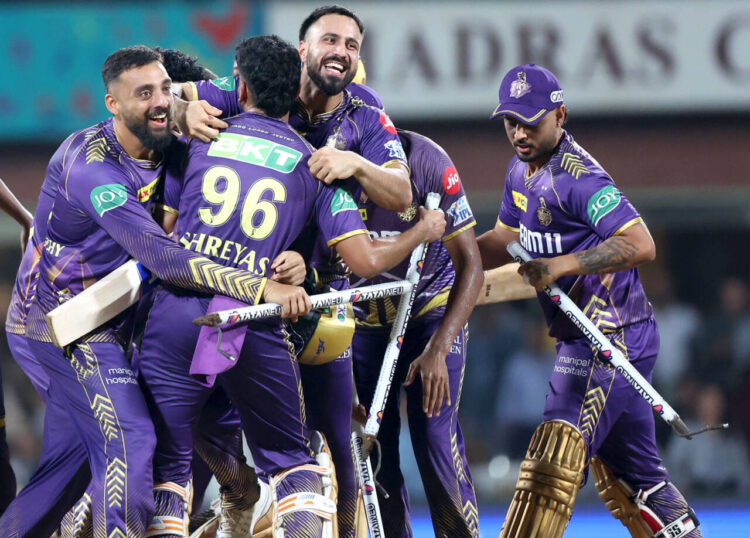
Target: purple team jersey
(248,194)
(28,271)
(431,171)
(100,219)
(570,205)
(222,93)
(354,125)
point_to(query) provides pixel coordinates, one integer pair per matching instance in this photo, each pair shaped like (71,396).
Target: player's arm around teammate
(368,258)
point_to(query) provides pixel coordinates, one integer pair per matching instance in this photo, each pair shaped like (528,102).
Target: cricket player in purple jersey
(63,468)
(358,146)
(10,205)
(433,354)
(100,219)
(244,198)
(63,473)
(585,235)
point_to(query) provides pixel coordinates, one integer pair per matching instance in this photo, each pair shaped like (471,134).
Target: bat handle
(432,200)
(518,252)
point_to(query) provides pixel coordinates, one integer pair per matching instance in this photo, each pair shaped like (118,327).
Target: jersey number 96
(258,217)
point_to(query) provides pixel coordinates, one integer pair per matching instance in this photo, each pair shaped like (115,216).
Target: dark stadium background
(668,120)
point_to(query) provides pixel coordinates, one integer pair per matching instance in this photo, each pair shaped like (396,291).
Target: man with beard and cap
(99,219)
(584,234)
(358,147)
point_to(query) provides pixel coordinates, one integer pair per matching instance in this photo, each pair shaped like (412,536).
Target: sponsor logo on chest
(541,243)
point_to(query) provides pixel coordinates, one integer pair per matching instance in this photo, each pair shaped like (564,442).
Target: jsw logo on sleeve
(541,243)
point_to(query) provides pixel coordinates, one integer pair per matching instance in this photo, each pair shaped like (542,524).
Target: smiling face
(141,98)
(330,52)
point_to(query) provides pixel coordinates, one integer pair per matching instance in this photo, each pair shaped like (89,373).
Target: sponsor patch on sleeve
(225,83)
(395,150)
(386,122)
(460,211)
(520,200)
(451,180)
(342,201)
(106,197)
(145,193)
(602,202)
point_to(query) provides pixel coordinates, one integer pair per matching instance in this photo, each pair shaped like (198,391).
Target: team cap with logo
(527,93)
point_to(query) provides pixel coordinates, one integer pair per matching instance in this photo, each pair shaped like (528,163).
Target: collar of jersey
(324,116)
(110,134)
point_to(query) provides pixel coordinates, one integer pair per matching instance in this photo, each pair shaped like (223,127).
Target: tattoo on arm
(615,254)
(536,270)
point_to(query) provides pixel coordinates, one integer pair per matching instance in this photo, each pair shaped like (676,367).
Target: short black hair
(271,69)
(127,58)
(182,67)
(328,10)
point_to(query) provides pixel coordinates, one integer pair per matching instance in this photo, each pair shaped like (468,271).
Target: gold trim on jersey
(573,165)
(192,85)
(460,230)
(167,209)
(627,225)
(347,235)
(96,150)
(509,228)
(387,164)
(441,299)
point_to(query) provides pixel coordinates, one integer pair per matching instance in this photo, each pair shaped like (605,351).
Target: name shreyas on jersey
(540,243)
(257,151)
(460,211)
(232,252)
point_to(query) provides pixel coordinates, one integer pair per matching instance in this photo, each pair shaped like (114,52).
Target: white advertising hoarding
(446,59)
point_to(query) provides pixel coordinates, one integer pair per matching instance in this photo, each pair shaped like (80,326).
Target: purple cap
(527,93)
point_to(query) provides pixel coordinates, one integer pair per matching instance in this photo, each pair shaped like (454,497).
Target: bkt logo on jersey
(253,150)
(541,243)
